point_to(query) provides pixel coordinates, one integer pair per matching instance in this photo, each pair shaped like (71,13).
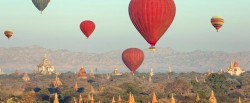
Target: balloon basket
(152,48)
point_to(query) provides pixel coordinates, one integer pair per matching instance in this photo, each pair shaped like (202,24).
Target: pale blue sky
(58,26)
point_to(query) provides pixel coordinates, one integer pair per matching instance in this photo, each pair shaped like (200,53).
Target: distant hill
(28,57)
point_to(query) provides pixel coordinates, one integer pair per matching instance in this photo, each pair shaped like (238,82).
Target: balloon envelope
(41,4)
(152,18)
(87,27)
(8,33)
(217,22)
(133,58)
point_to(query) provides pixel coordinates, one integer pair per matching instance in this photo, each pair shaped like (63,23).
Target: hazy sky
(58,26)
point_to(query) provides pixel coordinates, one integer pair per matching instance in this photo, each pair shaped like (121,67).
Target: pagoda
(116,72)
(56,99)
(57,82)
(131,98)
(75,87)
(239,100)
(92,74)
(197,100)
(119,99)
(154,98)
(80,99)
(212,98)
(92,100)
(92,89)
(82,73)
(1,72)
(26,77)
(209,72)
(149,78)
(17,72)
(113,100)
(45,67)
(151,73)
(172,100)
(234,69)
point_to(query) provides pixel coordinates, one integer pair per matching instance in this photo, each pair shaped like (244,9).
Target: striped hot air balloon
(217,22)
(8,33)
(41,4)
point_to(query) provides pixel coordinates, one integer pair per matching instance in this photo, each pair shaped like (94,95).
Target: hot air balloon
(152,18)
(87,27)
(217,22)
(8,33)
(41,4)
(133,58)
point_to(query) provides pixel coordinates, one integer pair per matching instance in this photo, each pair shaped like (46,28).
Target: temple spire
(92,100)
(197,98)
(92,74)
(212,98)
(76,86)
(154,98)
(80,99)
(113,100)
(82,73)
(172,99)
(26,77)
(239,100)
(57,82)
(119,99)
(56,99)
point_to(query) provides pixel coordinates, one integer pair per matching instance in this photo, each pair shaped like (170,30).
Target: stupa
(57,82)
(92,74)
(212,98)
(116,72)
(82,73)
(1,72)
(45,67)
(26,77)
(234,69)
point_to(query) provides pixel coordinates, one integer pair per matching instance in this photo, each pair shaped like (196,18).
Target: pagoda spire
(239,100)
(89,96)
(75,100)
(154,98)
(92,74)
(92,100)
(76,86)
(133,99)
(57,82)
(82,73)
(172,99)
(80,99)
(26,77)
(113,100)
(197,98)
(212,98)
(56,99)
(92,90)
(119,99)
(130,100)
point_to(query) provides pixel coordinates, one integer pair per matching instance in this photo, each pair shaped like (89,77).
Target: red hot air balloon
(133,58)
(87,27)
(152,18)
(8,33)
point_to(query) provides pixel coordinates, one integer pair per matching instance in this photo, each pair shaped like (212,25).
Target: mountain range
(27,59)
